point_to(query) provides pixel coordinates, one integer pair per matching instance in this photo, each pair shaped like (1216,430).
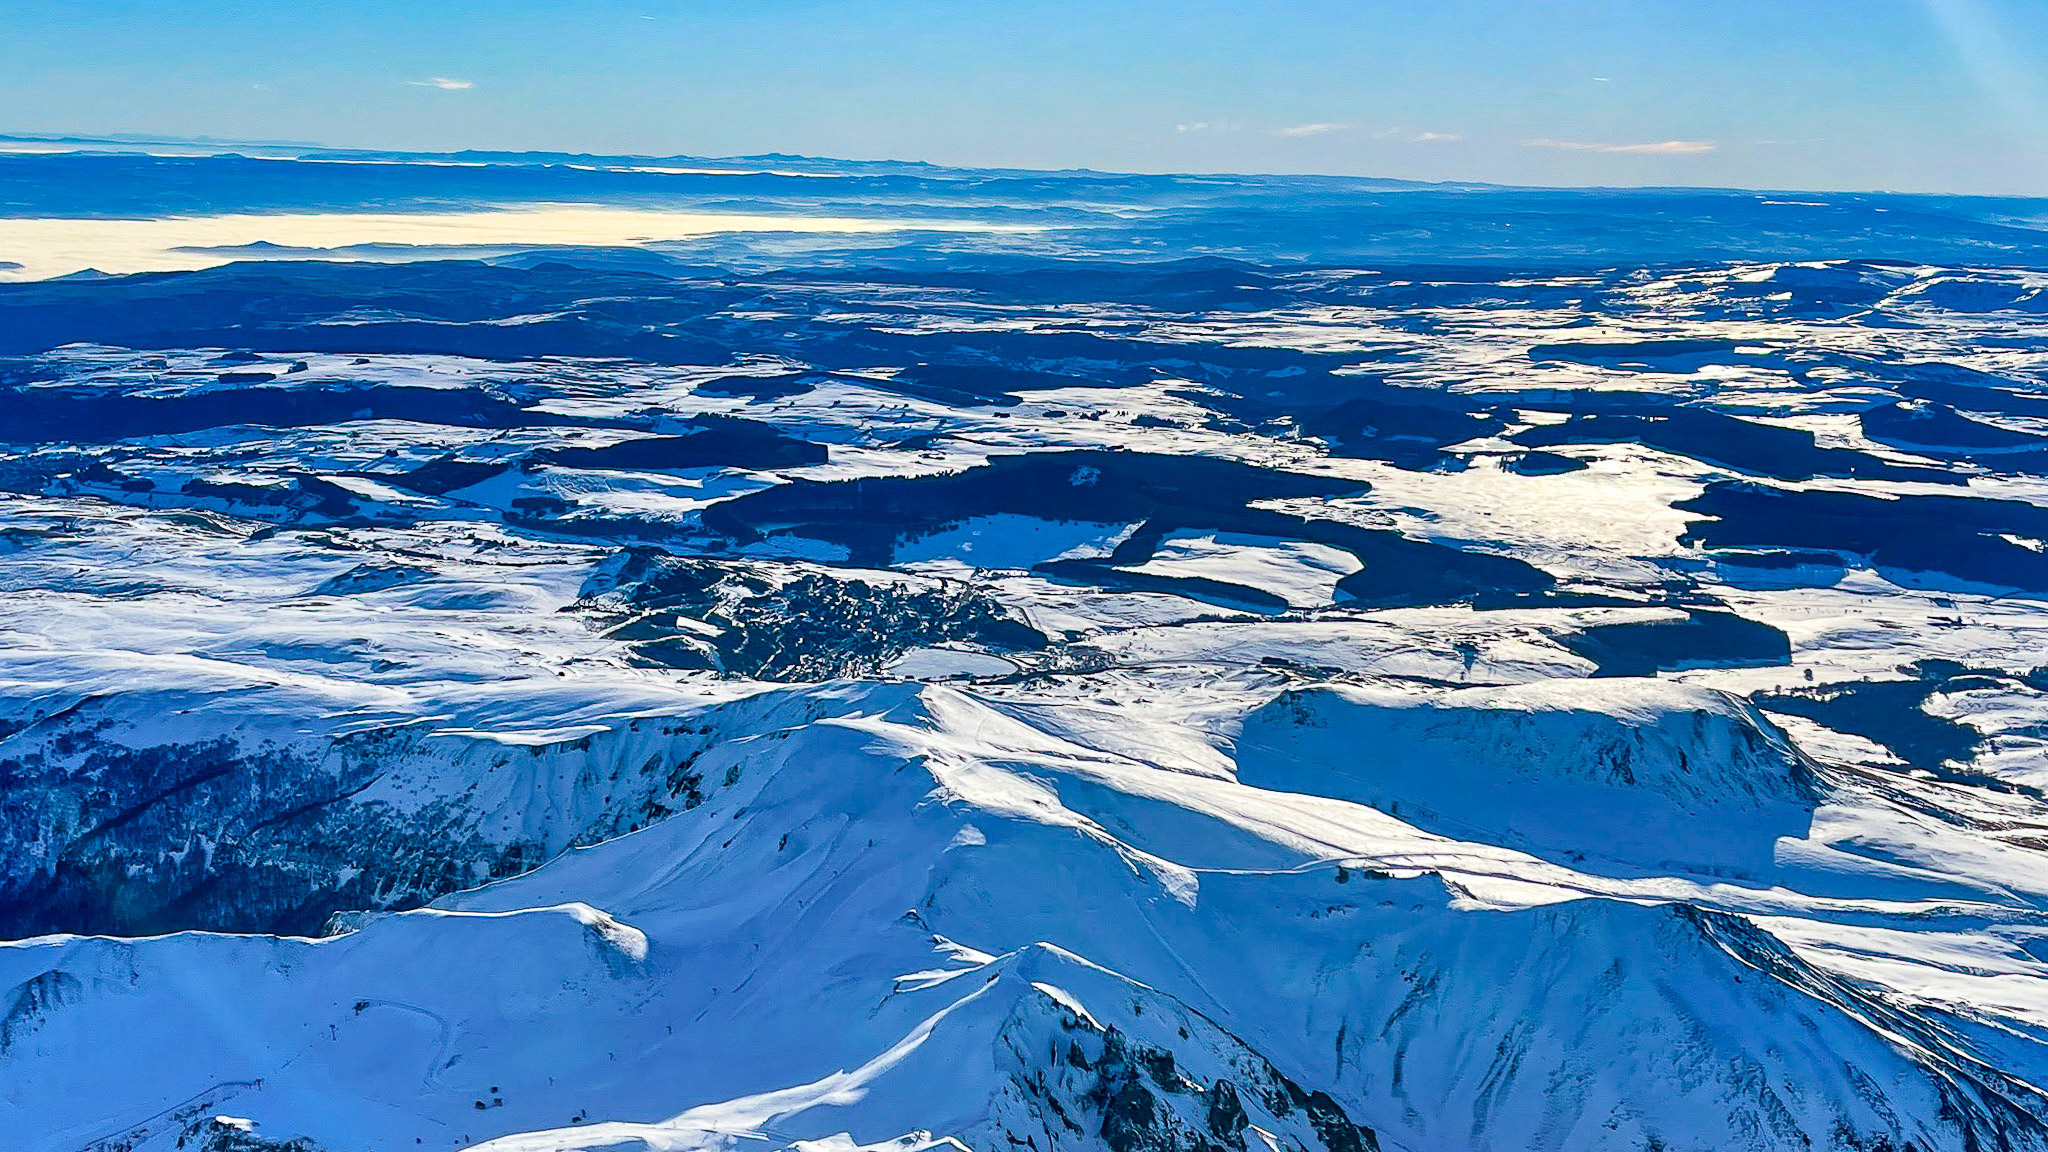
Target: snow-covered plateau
(1072,687)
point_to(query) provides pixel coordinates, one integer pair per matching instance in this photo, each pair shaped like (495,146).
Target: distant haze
(1910,95)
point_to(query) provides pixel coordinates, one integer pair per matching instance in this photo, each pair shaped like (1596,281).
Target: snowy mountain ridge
(957,694)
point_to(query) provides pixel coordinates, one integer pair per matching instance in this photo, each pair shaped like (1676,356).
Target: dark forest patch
(1703,639)
(1716,438)
(1893,713)
(1959,536)
(721,442)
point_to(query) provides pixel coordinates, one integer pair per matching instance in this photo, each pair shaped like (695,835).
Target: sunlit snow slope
(1099,684)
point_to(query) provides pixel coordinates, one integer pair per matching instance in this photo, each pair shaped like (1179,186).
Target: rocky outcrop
(108,827)
(787,622)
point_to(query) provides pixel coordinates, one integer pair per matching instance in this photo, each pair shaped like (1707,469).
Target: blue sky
(1936,95)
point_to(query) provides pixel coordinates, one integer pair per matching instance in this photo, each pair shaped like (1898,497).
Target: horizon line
(315,152)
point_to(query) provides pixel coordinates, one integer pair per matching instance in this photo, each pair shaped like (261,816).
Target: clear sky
(1935,95)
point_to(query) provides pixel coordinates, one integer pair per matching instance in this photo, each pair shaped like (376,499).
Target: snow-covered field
(1008,700)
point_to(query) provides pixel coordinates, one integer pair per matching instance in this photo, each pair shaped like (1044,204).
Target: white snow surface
(1417,860)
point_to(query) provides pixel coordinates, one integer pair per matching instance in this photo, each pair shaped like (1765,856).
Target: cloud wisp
(1657,148)
(443,83)
(1297,131)
(1417,136)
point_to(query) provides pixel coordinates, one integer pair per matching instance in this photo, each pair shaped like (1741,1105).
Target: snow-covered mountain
(1101,687)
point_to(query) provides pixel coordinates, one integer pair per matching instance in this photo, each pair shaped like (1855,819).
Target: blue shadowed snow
(557,653)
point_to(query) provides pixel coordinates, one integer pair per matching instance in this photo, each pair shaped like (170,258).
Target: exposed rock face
(229,1134)
(106,830)
(33,1000)
(767,622)
(1134,1098)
